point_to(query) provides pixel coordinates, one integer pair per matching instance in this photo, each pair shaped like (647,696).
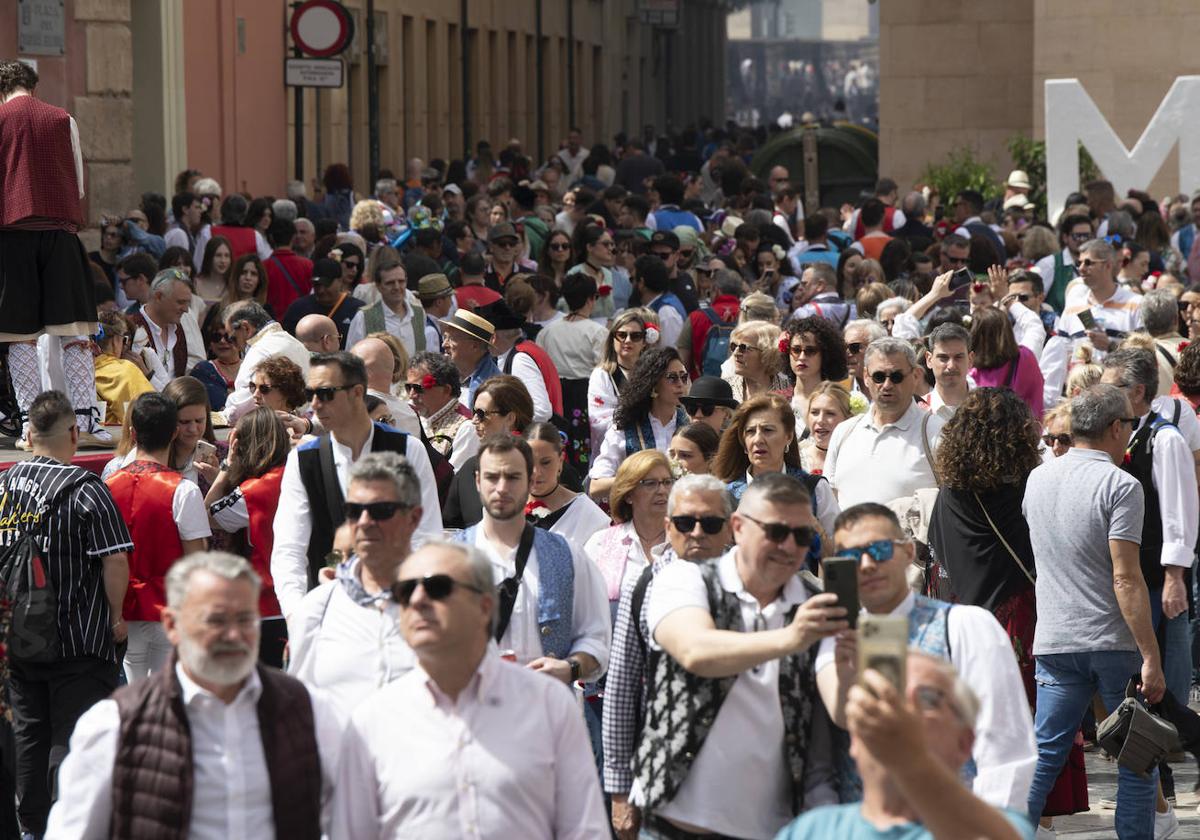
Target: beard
(504,510)
(204,664)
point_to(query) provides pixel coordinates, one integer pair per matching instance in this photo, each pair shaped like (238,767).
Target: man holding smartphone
(1099,310)
(1004,753)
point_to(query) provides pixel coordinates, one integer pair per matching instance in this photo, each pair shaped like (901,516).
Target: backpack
(716,343)
(33,604)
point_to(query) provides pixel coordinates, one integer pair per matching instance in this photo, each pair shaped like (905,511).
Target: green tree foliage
(961,171)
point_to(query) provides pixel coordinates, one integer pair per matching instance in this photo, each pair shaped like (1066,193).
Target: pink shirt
(1027,381)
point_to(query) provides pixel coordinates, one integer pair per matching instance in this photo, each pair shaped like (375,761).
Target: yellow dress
(118,382)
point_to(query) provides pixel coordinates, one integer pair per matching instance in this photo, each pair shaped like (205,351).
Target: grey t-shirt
(1074,505)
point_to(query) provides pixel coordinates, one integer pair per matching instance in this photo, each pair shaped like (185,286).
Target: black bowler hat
(711,390)
(501,316)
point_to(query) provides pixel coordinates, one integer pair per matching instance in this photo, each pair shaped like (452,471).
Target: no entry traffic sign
(322,28)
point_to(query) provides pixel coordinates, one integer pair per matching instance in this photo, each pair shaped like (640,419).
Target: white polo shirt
(867,462)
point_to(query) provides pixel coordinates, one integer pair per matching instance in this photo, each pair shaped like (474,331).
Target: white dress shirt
(612,448)
(591,623)
(1005,749)
(754,801)
(508,758)
(271,340)
(231,791)
(871,463)
(526,369)
(1056,357)
(399,325)
(345,649)
(1173,474)
(293,520)
(1045,267)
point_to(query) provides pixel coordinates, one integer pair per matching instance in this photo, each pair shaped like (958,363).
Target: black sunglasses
(481,416)
(705,409)
(221,337)
(895,377)
(709,524)
(854,347)
(378,511)
(777,532)
(437,587)
(1064,440)
(261,389)
(414,388)
(325,394)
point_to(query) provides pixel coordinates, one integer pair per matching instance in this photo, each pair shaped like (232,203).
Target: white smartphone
(883,646)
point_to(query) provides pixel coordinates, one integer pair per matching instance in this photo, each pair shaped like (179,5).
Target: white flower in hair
(858,404)
(652,335)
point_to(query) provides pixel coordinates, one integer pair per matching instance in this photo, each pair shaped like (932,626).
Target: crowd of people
(498,503)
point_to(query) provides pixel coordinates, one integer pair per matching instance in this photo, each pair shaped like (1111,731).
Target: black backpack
(26,587)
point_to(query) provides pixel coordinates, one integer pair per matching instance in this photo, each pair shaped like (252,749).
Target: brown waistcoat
(153,772)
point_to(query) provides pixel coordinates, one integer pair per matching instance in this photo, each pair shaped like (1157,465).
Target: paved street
(1102,782)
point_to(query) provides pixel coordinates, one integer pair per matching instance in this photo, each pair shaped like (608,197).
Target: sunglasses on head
(437,587)
(1062,440)
(880,551)
(705,409)
(895,377)
(325,394)
(378,511)
(777,532)
(708,524)
(260,389)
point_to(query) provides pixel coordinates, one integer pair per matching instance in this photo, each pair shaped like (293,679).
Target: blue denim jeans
(1065,684)
(1176,652)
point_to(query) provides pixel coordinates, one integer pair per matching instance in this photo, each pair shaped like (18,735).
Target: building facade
(158,86)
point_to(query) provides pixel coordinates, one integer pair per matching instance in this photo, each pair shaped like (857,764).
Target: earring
(654,395)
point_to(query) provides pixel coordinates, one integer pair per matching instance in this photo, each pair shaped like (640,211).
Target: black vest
(1139,462)
(326,507)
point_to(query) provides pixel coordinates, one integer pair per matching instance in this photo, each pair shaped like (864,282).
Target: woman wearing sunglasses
(502,406)
(245,495)
(278,384)
(626,340)
(761,440)
(649,412)
(816,354)
(552,504)
(638,500)
(1056,426)
(757,362)
(555,259)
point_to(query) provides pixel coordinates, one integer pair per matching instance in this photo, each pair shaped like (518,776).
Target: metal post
(541,84)
(668,58)
(570,64)
(298,111)
(466,79)
(372,99)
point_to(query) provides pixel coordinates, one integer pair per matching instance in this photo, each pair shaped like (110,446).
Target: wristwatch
(576,670)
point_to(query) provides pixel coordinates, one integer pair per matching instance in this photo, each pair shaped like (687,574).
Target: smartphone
(960,278)
(1087,319)
(841,578)
(883,646)
(205,451)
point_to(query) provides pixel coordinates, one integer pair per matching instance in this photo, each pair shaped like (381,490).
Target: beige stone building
(161,85)
(971,72)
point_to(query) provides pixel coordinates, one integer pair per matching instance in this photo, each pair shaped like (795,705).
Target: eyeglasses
(880,551)
(927,698)
(854,347)
(710,525)
(635,337)
(481,416)
(798,350)
(1023,297)
(414,388)
(1132,421)
(260,389)
(656,483)
(676,378)
(560,246)
(351,264)
(1080,237)
(895,377)
(1090,263)
(686,255)
(221,338)
(736,346)
(707,272)
(325,394)
(777,532)
(956,260)
(604,243)
(1061,440)
(705,409)
(662,255)
(378,511)
(505,243)
(437,587)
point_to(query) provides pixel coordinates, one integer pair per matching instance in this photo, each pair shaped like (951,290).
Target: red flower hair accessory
(427,382)
(1183,345)
(785,341)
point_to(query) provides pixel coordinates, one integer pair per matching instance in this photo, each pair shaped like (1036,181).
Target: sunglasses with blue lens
(880,550)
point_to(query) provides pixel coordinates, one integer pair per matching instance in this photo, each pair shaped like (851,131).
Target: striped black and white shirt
(80,525)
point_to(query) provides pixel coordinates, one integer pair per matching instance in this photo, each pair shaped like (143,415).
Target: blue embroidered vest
(669,299)
(641,436)
(556,589)
(929,631)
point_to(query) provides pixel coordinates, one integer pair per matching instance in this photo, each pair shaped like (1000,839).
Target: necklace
(547,495)
(658,538)
(821,448)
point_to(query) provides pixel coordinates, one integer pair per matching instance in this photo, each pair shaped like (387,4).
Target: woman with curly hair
(757,361)
(278,384)
(1187,375)
(761,439)
(977,531)
(1001,362)
(817,354)
(647,415)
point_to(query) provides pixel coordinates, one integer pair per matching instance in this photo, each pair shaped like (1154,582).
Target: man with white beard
(210,747)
